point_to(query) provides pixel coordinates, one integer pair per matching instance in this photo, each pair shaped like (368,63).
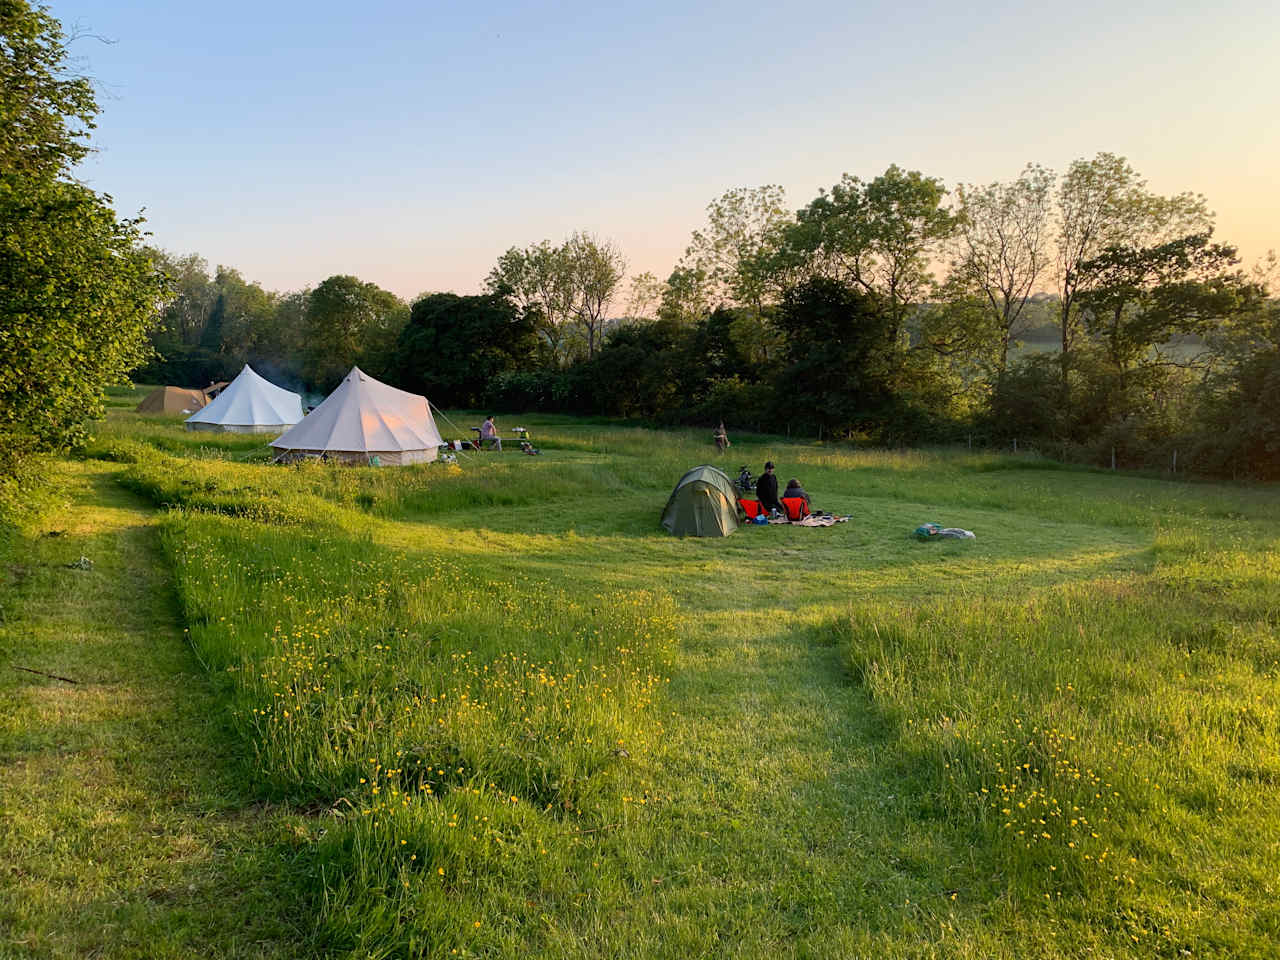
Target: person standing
(767,489)
(722,438)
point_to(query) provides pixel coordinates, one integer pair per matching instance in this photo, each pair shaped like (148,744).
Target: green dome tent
(703,504)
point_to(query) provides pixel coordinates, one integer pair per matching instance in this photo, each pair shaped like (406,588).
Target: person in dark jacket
(767,489)
(795,490)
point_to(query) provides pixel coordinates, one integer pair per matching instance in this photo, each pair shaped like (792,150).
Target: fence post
(1113,458)
(1015,444)
(1175,461)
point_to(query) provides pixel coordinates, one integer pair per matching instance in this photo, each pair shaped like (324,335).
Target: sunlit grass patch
(868,745)
(1082,735)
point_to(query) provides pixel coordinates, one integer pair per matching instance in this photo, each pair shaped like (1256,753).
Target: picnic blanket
(812,520)
(825,520)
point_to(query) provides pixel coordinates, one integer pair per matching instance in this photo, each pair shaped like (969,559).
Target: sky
(410,144)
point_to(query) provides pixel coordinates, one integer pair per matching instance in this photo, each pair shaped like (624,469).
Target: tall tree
(46,112)
(596,267)
(735,249)
(841,356)
(246,311)
(1136,300)
(346,319)
(686,297)
(1001,250)
(643,296)
(192,295)
(539,280)
(880,237)
(78,293)
(1103,203)
(454,347)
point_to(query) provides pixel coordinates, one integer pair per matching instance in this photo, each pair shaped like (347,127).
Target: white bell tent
(249,404)
(362,419)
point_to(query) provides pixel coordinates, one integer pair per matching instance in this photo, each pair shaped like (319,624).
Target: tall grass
(1111,746)
(1063,735)
(405,696)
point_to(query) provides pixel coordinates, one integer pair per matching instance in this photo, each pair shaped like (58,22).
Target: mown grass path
(783,822)
(122,814)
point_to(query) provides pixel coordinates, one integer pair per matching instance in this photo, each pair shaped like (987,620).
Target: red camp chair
(797,507)
(752,508)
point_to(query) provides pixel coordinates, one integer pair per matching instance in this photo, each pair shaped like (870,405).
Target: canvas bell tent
(703,504)
(249,404)
(365,421)
(171,400)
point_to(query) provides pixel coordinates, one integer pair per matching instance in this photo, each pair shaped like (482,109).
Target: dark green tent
(703,504)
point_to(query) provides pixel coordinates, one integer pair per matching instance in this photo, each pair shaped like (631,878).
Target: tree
(77,298)
(685,296)
(1136,300)
(246,312)
(78,293)
(735,250)
(878,237)
(644,296)
(1001,249)
(346,321)
(192,295)
(840,354)
(1103,203)
(45,112)
(454,347)
(596,268)
(539,280)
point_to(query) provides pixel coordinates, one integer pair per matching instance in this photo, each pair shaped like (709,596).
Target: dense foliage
(1080,314)
(456,346)
(77,292)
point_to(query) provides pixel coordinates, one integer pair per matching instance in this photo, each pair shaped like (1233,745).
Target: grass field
(494,710)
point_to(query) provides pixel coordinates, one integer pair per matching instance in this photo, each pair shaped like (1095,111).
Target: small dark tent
(172,400)
(703,504)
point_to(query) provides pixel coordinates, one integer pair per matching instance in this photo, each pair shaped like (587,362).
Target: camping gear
(361,419)
(752,508)
(172,400)
(746,482)
(933,531)
(797,508)
(249,404)
(703,504)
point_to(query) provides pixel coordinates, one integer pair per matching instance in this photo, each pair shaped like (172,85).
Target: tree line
(1079,313)
(1075,311)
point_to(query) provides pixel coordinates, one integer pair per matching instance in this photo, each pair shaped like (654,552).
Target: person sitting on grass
(489,434)
(767,489)
(795,490)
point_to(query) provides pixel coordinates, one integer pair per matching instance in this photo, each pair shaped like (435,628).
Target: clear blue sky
(411,143)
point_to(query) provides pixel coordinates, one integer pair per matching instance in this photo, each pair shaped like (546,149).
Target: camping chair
(752,508)
(797,507)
